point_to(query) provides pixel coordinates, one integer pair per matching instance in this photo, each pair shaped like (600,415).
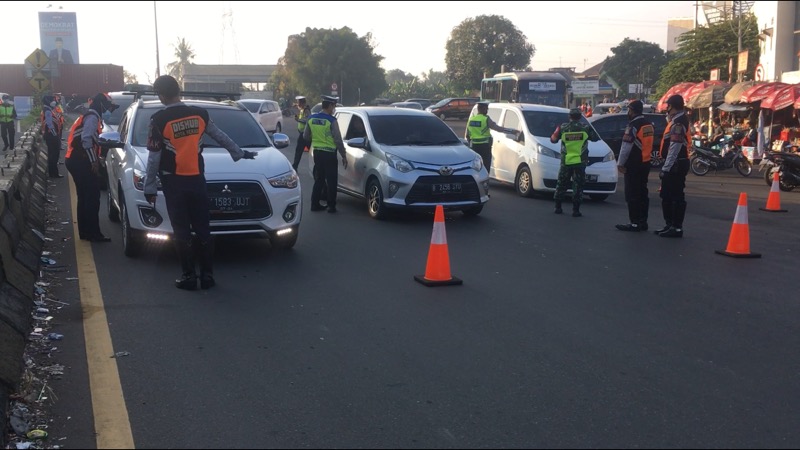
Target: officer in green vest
(574,137)
(478,135)
(322,131)
(301,117)
(7,116)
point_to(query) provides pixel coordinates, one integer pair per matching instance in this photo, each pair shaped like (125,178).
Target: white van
(531,162)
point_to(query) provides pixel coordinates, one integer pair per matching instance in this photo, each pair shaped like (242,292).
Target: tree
(635,62)
(484,44)
(317,58)
(707,48)
(184,55)
(129,77)
(396,75)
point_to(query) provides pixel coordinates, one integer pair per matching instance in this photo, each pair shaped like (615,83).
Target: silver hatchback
(404,158)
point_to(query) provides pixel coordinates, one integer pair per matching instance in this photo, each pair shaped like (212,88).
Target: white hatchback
(266,112)
(531,162)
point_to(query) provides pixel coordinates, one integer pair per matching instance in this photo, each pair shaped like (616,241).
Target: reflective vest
(574,138)
(684,153)
(302,117)
(43,119)
(478,127)
(74,141)
(58,118)
(321,135)
(6,113)
(643,140)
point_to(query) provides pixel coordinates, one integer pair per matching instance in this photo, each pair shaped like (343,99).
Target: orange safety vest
(665,143)
(645,134)
(74,138)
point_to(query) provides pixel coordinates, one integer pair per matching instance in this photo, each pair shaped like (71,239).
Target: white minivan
(531,162)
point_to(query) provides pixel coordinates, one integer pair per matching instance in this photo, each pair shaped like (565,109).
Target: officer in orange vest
(634,164)
(83,163)
(52,138)
(675,151)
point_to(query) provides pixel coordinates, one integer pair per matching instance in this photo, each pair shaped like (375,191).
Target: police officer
(326,139)
(52,135)
(478,135)
(301,117)
(634,164)
(8,114)
(83,163)
(675,151)
(574,137)
(175,156)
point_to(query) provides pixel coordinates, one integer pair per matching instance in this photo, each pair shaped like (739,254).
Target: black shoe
(98,238)
(187,281)
(576,213)
(662,229)
(317,207)
(629,227)
(331,209)
(672,233)
(207,281)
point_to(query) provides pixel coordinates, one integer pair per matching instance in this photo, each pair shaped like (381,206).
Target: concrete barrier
(23,197)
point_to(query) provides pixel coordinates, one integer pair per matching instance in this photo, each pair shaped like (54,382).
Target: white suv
(266,112)
(259,197)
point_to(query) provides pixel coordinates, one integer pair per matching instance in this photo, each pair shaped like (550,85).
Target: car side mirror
(519,136)
(110,140)
(358,142)
(280,140)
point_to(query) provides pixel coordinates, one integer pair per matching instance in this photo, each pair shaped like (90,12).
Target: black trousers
(325,172)
(187,206)
(298,151)
(485,150)
(636,193)
(87,186)
(673,199)
(53,153)
(7,130)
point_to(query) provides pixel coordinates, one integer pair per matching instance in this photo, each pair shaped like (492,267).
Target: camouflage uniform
(571,170)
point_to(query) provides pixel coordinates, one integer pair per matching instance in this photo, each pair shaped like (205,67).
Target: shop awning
(782,98)
(695,90)
(760,92)
(735,94)
(727,107)
(678,89)
(710,96)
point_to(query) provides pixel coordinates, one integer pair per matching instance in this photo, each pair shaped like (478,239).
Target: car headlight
(138,179)
(396,162)
(609,156)
(286,181)
(477,163)
(547,151)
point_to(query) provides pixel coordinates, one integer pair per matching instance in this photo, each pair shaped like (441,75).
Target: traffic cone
(739,240)
(774,199)
(437,271)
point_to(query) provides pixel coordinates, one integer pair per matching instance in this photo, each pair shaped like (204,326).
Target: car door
(500,165)
(514,151)
(346,176)
(115,159)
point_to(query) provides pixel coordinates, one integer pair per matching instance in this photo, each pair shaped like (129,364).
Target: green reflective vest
(478,127)
(321,135)
(574,138)
(301,119)
(6,113)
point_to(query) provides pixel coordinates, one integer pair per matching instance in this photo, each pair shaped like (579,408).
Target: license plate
(591,178)
(446,188)
(229,204)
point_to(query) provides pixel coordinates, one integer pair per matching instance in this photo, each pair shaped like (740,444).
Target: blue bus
(541,88)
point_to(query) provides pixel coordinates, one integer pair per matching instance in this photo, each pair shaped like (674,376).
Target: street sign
(760,75)
(334,86)
(585,87)
(39,81)
(38,59)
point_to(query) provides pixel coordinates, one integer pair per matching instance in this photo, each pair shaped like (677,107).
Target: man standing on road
(176,157)
(8,114)
(52,135)
(574,137)
(675,151)
(325,138)
(301,117)
(478,135)
(634,165)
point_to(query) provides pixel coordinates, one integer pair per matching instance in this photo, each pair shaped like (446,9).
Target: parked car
(410,105)
(531,162)
(259,197)
(611,127)
(453,108)
(424,102)
(400,158)
(266,112)
(111,123)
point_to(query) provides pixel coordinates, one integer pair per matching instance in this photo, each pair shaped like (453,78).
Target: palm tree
(184,54)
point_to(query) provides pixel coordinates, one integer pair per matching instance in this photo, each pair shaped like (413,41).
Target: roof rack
(217,96)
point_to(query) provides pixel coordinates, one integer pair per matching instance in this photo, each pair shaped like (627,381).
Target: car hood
(432,154)
(269,162)
(596,149)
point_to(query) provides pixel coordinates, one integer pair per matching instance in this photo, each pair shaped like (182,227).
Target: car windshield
(251,106)
(544,123)
(236,123)
(412,130)
(123,102)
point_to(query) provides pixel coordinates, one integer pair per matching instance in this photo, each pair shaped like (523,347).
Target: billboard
(585,87)
(58,36)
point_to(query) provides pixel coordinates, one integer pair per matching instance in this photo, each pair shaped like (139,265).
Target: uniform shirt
(574,127)
(335,133)
(49,121)
(678,144)
(632,148)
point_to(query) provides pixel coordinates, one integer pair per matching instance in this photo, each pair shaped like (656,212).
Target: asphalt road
(566,332)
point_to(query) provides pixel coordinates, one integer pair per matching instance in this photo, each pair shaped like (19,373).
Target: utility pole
(158,62)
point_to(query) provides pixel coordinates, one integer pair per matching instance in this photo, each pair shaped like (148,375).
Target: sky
(411,36)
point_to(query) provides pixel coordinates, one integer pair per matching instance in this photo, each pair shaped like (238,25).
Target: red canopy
(782,98)
(761,91)
(698,88)
(678,89)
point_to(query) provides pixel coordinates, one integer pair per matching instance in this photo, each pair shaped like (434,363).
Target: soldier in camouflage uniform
(574,137)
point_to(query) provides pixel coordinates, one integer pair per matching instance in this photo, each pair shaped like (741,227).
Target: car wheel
(443,116)
(113,212)
(524,182)
(130,242)
(598,197)
(278,127)
(375,206)
(474,211)
(284,243)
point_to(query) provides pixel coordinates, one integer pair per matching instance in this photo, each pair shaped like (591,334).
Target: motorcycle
(787,165)
(730,155)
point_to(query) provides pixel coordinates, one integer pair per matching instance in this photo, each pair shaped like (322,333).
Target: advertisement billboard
(58,36)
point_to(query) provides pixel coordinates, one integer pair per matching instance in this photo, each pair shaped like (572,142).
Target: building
(227,78)
(675,28)
(605,88)
(779,37)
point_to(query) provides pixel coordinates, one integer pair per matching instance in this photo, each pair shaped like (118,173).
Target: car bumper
(604,176)
(424,191)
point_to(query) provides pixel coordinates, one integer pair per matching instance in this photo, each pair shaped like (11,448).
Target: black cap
(636,106)
(329,99)
(676,101)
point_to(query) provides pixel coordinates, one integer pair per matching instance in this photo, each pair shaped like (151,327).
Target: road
(566,332)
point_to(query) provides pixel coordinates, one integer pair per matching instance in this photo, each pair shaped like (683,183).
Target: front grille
(422,191)
(258,207)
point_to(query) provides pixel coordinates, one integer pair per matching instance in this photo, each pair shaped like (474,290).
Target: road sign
(334,92)
(38,59)
(334,86)
(585,87)
(39,81)
(760,74)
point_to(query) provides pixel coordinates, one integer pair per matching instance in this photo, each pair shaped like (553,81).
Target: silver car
(405,158)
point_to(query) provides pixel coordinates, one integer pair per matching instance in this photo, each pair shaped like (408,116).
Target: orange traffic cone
(774,199)
(437,271)
(739,240)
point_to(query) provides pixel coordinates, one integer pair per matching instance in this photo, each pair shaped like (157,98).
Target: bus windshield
(542,88)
